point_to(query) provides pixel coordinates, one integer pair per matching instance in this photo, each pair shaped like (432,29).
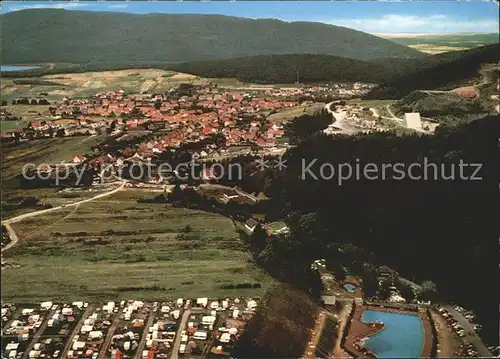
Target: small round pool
(351,288)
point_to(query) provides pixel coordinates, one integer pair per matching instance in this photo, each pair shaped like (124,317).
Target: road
(109,336)
(14,238)
(75,331)
(394,117)
(482,350)
(12,235)
(36,337)
(339,120)
(177,342)
(464,322)
(238,191)
(316,335)
(145,332)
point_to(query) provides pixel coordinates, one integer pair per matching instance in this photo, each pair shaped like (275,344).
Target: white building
(412,120)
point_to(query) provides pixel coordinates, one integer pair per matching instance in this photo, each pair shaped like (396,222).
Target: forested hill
(57,35)
(443,70)
(283,69)
(441,228)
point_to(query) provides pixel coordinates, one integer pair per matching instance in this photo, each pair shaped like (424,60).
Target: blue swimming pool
(402,336)
(7,68)
(351,288)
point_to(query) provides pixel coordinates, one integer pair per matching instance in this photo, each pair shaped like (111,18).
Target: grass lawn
(117,248)
(275,226)
(289,114)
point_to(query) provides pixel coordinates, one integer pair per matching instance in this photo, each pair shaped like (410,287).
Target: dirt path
(75,331)
(40,230)
(447,341)
(177,342)
(13,236)
(316,335)
(38,334)
(145,332)
(343,316)
(103,353)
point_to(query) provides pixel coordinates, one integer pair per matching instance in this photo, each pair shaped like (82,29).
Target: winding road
(12,234)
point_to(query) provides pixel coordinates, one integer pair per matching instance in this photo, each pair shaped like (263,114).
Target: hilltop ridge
(57,35)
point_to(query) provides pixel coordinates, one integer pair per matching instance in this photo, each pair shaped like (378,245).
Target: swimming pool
(402,336)
(7,68)
(351,288)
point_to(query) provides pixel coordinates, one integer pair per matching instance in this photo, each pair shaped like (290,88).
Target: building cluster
(215,325)
(38,332)
(126,329)
(235,116)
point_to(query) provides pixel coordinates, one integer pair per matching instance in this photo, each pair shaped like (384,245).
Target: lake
(402,336)
(7,68)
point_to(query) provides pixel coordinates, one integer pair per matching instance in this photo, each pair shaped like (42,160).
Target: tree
(60,132)
(34,102)
(384,292)
(406,291)
(370,281)
(4,103)
(176,194)
(157,104)
(428,291)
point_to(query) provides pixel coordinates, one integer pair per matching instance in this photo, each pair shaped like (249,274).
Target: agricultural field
(28,113)
(44,151)
(434,44)
(37,152)
(89,83)
(115,248)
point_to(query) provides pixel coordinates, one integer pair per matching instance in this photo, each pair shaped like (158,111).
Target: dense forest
(286,316)
(283,69)
(438,229)
(57,35)
(451,69)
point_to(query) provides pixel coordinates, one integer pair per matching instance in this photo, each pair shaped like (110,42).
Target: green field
(289,114)
(48,151)
(28,113)
(434,44)
(89,83)
(117,248)
(370,103)
(37,152)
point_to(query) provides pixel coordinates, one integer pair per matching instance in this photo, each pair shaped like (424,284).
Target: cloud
(420,24)
(69,5)
(118,6)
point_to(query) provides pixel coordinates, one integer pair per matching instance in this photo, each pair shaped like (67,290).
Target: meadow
(434,44)
(37,152)
(89,83)
(118,248)
(27,113)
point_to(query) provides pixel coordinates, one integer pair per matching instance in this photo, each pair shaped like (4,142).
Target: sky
(426,16)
